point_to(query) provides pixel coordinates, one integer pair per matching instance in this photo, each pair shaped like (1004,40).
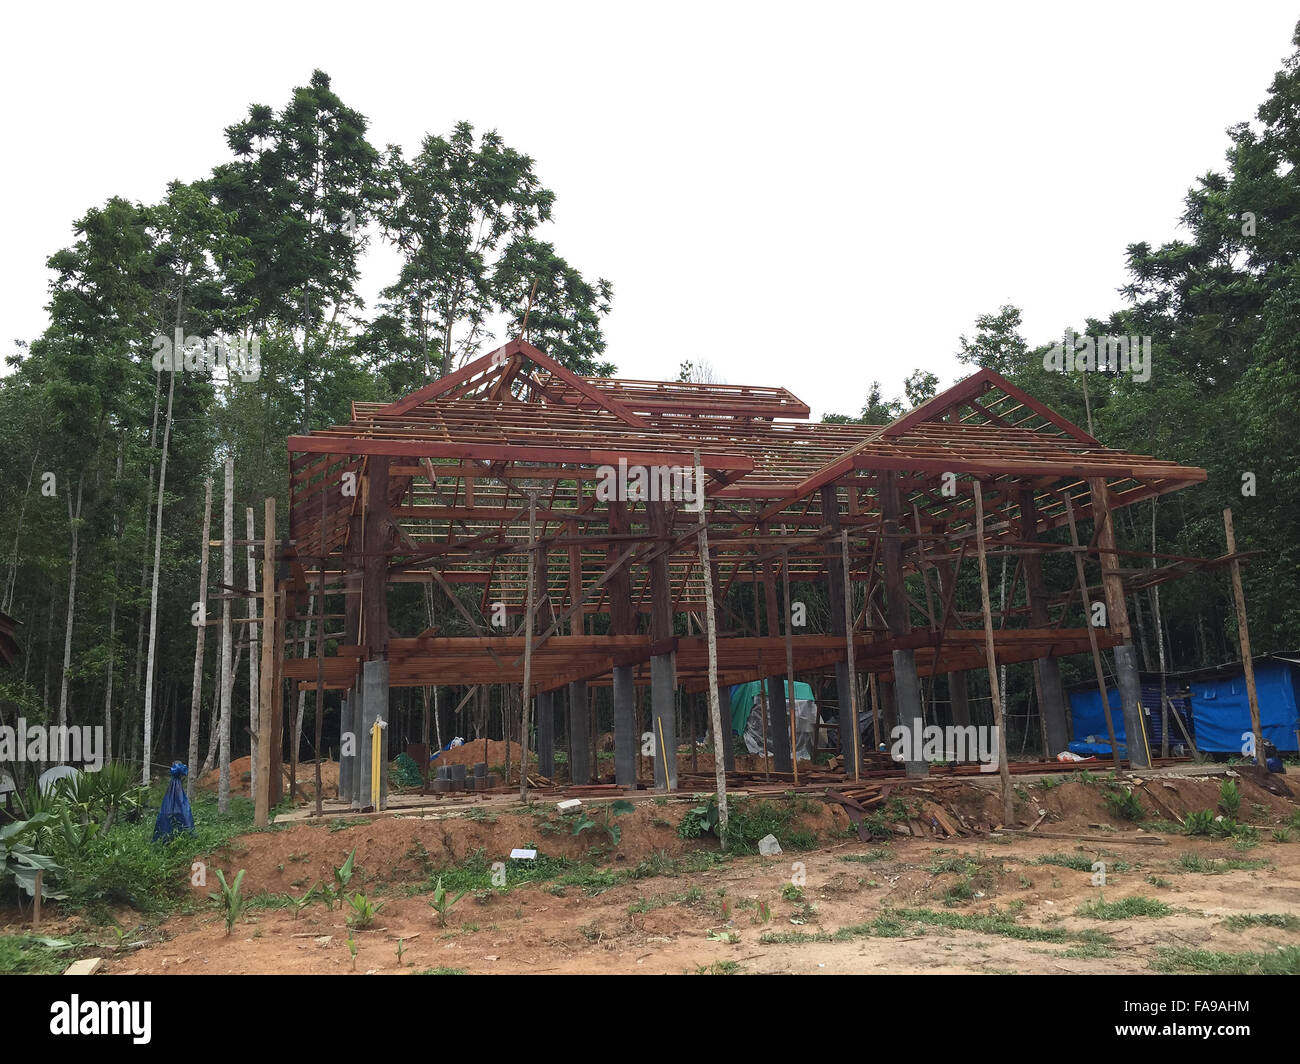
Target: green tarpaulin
(744,694)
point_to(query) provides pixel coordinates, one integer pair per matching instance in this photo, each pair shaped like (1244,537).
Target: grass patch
(126,867)
(32,955)
(1245,921)
(441,971)
(898,923)
(719,968)
(1194,862)
(878,854)
(1125,908)
(1283,961)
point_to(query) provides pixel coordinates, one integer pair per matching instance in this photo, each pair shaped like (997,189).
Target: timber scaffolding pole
(450,499)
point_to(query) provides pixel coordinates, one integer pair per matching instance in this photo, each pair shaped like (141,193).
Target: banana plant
(20,861)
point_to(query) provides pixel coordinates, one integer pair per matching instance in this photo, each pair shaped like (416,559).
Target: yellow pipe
(668,781)
(376,763)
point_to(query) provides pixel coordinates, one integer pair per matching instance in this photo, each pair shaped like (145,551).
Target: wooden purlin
(450,660)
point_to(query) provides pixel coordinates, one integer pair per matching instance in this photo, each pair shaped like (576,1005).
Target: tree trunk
(196,689)
(254,693)
(74,522)
(112,622)
(7,602)
(153,588)
(227,674)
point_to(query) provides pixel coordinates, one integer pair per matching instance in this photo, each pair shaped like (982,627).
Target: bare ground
(897,894)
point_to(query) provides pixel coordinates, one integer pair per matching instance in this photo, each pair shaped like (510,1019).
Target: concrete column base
(663,721)
(626,740)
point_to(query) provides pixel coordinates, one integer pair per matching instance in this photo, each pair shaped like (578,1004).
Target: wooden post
(1008,810)
(1243,633)
(196,690)
(715,710)
(762,708)
(528,646)
(227,649)
(853,673)
(789,664)
(262,795)
(1092,634)
(320,658)
(277,687)
(1112,584)
(36,899)
(254,701)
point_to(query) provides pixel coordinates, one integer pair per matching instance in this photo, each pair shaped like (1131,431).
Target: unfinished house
(588,497)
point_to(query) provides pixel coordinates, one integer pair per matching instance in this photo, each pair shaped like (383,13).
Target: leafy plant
(352,948)
(1229,797)
(700,820)
(442,905)
(20,861)
(363,911)
(231,897)
(1199,822)
(1122,804)
(613,830)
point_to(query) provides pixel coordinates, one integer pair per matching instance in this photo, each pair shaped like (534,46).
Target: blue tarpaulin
(1222,710)
(175,813)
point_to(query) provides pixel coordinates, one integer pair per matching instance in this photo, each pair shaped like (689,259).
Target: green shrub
(1229,797)
(1122,804)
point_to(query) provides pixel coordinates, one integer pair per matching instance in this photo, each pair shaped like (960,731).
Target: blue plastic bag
(175,813)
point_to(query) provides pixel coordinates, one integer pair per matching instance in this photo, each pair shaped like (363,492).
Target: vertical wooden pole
(262,799)
(853,672)
(1008,810)
(320,658)
(227,648)
(196,690)
(36,899)
(1243,633)
(762,708)
(528,645)
(789,664)
(715,710)
(1112,583)
(1092,633)
(254,689)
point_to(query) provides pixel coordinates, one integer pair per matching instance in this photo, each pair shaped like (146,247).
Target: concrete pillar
(1130,693)
(663,679)
(374,706)
(1051,690)
(907,687)
(626,740)
(959,698)
(579,733)
(724,693)
(546,733)
(662,720)
(354,725)
(779,726)
(347,761)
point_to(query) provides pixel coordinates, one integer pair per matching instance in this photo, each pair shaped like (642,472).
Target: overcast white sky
(808,194)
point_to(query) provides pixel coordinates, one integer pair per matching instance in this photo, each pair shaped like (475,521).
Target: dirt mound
(241,780)
(471,753)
